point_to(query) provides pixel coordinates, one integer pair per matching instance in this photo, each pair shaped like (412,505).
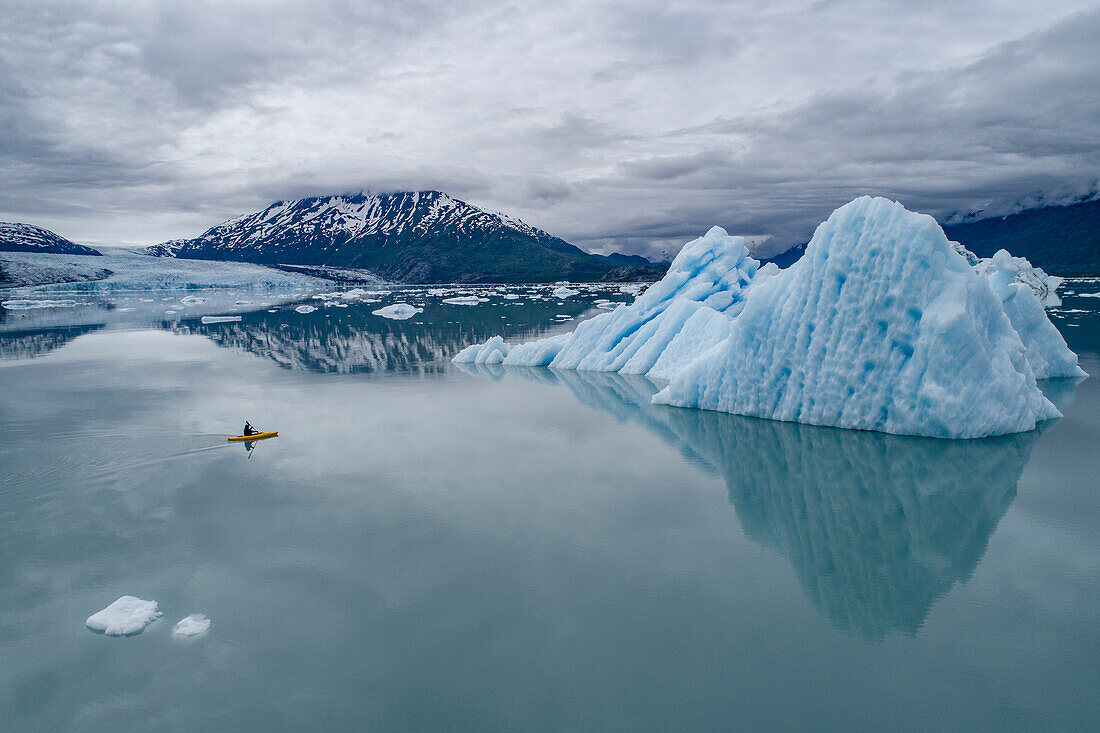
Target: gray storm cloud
(619,126)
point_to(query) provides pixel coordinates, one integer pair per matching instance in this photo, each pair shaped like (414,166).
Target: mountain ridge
(18,237)
(414,236)
(1063,239)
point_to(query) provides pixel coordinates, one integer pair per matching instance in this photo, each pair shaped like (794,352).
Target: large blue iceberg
(883,325)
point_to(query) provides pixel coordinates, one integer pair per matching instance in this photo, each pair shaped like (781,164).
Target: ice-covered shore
(883,324)
(124,270)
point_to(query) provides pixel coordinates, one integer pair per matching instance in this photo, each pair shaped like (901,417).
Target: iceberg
(1012,279)
(1044,286)
(712,272)
(192,625)
(563,292)
(306,308)
(881,325)
(492,351)
(398,311)
(206,320)
(465,300)
(127,616)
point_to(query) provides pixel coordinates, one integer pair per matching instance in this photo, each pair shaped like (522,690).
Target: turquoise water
(425,547)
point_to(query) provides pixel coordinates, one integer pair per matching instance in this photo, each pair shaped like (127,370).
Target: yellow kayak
(256,436)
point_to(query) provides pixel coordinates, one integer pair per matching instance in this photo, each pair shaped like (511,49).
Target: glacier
(882,325)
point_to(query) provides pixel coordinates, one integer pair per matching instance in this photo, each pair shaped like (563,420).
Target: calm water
(425,547)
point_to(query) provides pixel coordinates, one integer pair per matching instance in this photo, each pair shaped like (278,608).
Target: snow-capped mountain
(421,236)
(15,237)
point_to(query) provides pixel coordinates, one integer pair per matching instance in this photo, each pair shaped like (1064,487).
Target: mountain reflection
(352,340)
(29,344)
(330,340)
(876,526)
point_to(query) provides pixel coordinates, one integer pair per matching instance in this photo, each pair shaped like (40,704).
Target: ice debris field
(883,324)
(130,615)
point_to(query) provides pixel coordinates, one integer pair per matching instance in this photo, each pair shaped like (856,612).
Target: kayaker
(248,429)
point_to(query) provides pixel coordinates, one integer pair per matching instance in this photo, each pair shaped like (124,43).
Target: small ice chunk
(306,308)
(127,616)
(398,311)
(192,625)
(465,300)
(510,296)
(192,300)
(564,292)
(220,319)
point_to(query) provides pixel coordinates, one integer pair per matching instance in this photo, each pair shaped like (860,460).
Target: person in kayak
(248,429)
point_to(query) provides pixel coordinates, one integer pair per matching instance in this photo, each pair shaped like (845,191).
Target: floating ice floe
(125,617)
(564,292)
(465,300)
(22,305)
(510,296)
(398,311)
(192,625)
(880,325)
(192,300)
(306,308)
(1088,295)
(220,319)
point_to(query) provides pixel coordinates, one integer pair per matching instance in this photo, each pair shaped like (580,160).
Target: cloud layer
(619,126)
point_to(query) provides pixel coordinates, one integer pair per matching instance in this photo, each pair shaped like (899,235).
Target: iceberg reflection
(877,527)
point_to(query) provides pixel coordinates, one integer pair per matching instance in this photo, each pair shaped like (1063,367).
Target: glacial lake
(433,548)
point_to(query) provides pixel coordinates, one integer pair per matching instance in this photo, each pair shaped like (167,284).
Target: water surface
(430,547)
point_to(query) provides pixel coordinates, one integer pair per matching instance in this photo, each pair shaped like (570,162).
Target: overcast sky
(630,125)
